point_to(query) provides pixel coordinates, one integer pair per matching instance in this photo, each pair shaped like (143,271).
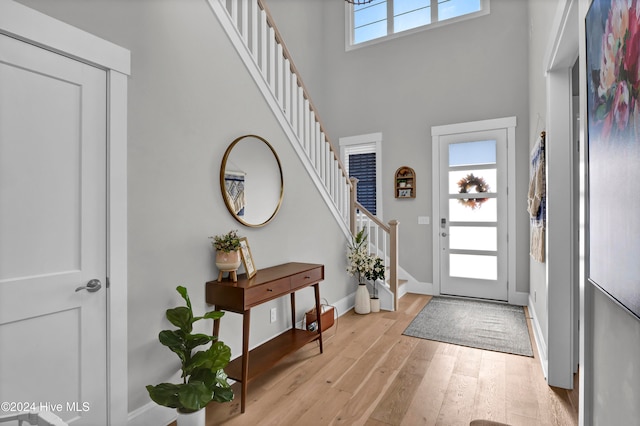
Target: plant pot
(363,305)
(197,418)
(375,304)
(228,261)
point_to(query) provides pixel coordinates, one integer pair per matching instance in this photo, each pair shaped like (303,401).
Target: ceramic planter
(197,418)
(363,305)
(228,261)
(375,304)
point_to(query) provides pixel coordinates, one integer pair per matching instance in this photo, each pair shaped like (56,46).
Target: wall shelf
(405,183)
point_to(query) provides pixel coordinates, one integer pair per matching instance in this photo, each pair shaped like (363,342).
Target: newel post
(393,261)
(353,197)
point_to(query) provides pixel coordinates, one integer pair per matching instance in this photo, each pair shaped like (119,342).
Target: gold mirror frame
(223,188)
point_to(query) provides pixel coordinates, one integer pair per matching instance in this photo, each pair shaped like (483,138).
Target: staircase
(252,31)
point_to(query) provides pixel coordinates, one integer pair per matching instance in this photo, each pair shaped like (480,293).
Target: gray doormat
(477,324)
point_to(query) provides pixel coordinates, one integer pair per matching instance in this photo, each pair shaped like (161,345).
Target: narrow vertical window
(361,156)
(363,168)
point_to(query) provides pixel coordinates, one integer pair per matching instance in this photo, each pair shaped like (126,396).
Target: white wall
(189,98)
(472,70)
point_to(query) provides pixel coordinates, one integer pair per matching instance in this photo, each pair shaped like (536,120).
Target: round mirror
(251,180)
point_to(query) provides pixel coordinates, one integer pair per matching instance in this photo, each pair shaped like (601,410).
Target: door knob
(444,234)
(92,286)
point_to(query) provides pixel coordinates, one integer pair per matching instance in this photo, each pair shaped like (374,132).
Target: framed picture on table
(247,259)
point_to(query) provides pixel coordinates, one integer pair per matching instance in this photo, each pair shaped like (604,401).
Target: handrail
(305,91)
(373,218)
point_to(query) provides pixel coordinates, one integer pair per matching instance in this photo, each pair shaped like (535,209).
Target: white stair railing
(252,30)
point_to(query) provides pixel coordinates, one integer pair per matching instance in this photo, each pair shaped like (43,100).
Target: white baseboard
(151,414)
(345,304)
(539,339)
(420,288)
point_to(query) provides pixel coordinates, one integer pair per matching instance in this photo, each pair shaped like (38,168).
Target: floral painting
(613,105)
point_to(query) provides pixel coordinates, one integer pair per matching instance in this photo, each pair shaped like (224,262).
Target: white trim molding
(509,124)
(562,314)
(23,23)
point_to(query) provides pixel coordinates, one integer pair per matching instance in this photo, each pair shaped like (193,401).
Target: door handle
(444,234)
(92,286)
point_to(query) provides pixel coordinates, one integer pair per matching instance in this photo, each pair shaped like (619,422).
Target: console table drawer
(308,277)
(264,292)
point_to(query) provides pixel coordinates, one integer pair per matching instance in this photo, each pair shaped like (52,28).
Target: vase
(228,261)
(375,304)
(197,418)
(363,305)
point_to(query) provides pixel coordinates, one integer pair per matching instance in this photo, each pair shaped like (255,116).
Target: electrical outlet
(274,314)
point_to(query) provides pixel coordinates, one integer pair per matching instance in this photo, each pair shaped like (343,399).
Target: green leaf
(223,394)
(194,396)
(195,340)
(200,359)
(205,376)
(216,382)
(174,340)
(181,317)
(220,355)
(215,358)
(214,315)
(165,394)
(185,295)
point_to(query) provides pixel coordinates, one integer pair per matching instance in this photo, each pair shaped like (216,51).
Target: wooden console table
(266,285)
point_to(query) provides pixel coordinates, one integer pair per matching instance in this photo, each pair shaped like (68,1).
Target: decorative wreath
(468,182)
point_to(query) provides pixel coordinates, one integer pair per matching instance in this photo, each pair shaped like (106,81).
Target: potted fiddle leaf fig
(203,376)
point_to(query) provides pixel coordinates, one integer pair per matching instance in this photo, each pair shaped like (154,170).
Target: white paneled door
(472,224)
(52,234)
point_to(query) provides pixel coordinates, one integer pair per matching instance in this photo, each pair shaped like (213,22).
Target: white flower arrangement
(363,264)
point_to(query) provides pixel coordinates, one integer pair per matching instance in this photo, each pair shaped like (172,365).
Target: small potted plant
(375,272)
(227,252)
(203,376)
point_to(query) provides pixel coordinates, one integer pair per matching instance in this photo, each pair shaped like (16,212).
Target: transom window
(384,18)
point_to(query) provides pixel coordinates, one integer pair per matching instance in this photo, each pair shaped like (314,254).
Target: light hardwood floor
(370,374)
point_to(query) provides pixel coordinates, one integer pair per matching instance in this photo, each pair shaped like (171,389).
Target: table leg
(216,323)
(293,310)
(246,321)
(316,288)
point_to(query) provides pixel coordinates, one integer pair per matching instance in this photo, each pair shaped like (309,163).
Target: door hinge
(108,282)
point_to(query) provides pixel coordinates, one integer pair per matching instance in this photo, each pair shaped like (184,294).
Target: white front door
(52,234)
(472,222)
